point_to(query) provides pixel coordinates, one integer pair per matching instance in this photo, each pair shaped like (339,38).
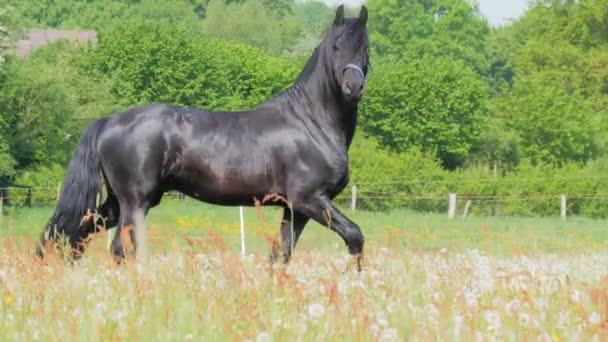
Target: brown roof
(38,38)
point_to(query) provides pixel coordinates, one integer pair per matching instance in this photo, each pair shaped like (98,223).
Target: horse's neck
(350,125)
(316,97)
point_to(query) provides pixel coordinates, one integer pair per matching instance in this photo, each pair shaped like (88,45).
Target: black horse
(294,146)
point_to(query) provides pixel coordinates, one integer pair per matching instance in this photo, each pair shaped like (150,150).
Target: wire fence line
(386,195)
(376,196)
(413,181)
(483,180)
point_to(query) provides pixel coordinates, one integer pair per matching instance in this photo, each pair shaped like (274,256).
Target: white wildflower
(524,319)
(470,299)
(316,310)
(438,297)
(493,320)
(512,306)
(458,319)
(263,337)
(576,296)
(388,335)
(381,319)
(545,337)
(595,318)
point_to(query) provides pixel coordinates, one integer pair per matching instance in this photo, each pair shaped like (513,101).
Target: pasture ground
(425,277)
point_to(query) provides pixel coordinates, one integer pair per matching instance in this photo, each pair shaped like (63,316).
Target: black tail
(79,194)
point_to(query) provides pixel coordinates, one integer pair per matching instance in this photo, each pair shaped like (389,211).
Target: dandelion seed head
(595,318)
(263,337)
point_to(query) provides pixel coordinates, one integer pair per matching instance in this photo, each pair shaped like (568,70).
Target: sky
(498,12)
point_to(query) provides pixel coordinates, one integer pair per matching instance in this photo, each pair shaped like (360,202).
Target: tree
(45,101)
(269,25)
(7,162)
(430,90)
(555,125)
(278,7)
(155,63)
(436,104)
(412,29)
(253,24)
(551,81)
(101,15)
(7,24)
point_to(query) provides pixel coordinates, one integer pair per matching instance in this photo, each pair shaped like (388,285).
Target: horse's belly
(226,195)
(230,187)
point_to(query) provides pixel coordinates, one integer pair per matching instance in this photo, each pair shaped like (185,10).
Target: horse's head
(347,43)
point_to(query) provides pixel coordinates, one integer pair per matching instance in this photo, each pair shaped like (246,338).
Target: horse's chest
(339,178)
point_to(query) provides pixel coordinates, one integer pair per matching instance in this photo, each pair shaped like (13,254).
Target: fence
(455,205)
(455,198)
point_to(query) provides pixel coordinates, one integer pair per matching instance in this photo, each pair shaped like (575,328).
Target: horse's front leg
(320,209)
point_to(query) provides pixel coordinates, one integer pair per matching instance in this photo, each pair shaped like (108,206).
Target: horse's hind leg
(129,239)
(290,233)
(109,211)
(105,217)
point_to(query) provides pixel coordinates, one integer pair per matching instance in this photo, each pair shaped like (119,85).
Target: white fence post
(563,207)
(466,209)
(451,205)
(242,231)
(353,198)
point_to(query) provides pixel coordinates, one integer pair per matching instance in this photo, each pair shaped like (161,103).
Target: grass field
(425,278)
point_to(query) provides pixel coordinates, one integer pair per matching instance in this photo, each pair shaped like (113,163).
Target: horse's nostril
(347,89)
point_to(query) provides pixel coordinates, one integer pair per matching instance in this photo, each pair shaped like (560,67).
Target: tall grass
(425,278)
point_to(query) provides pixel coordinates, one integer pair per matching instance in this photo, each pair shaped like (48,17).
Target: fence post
(242,231)
(563,208)
(466,209)
(28,198)
(1,206)
(58,191)
(353,198)
(451,205)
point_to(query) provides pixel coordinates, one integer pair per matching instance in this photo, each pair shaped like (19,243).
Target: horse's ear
(339,16)
(363,15)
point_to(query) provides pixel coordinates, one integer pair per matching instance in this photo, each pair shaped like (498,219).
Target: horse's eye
(336,48)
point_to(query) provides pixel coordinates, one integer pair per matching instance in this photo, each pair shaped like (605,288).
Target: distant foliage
(434,104)
(552,81)
(154,63)
(412,29)
(416,180)
(45,100)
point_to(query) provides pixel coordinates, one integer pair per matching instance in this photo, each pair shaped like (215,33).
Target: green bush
(153,63)
(43,180)
(416,181)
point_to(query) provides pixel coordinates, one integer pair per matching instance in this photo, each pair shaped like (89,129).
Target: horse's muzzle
(353,84)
